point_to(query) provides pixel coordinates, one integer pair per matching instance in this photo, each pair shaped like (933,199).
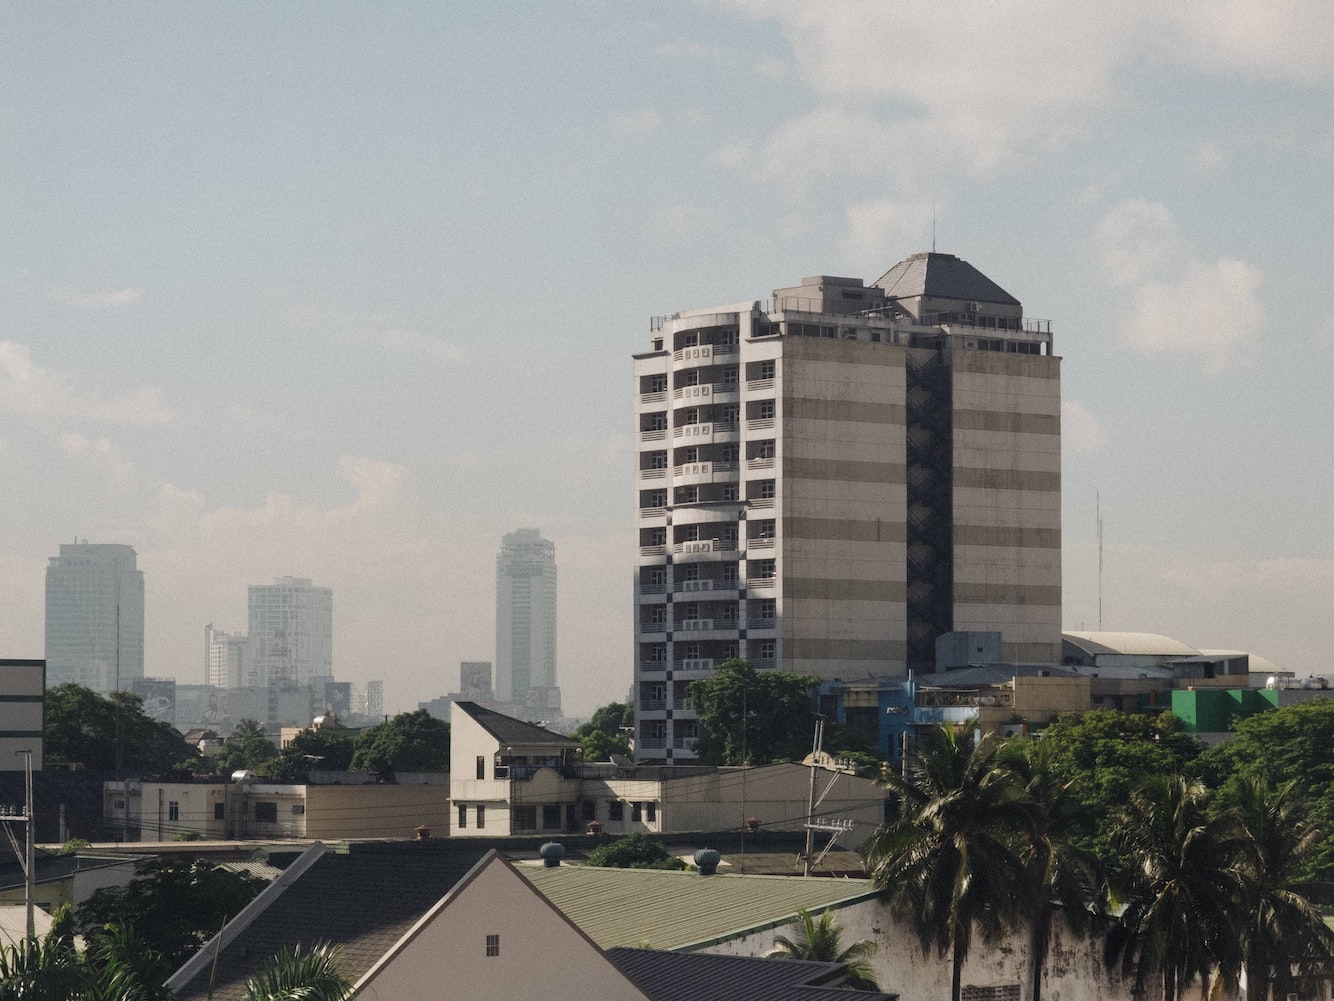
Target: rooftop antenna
(933,227)
(1098,507)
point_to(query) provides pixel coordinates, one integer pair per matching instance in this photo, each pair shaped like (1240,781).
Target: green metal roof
(683,910)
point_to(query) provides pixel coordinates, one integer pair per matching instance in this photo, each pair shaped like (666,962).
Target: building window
(730,375)
(481,766)
(656,384)
(266,813)
(766,370)
(767,611)
(588,810)
(173,810)
(687,495)
(656,536)
(525,818)
(652,810)
(550,816)
(764,529)
(766,488)
(637,812)
(615,809)
(766,410)
(493,945)
(730,492)
(463,817)
(218,811)
(481,816)
(657,460)
(768,650)
(765,569)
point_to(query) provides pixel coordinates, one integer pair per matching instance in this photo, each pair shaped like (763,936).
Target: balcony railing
(759,385)
(694,394)
(695,664)
(759,424)
(695,625)
(656,396)
(760,583)
(652,550)
(760,462)
(760,502)
(767,542)
(652,666)
(652,742)
(659,473)
(653,434)
(700,354)
(652,705)
(688,705)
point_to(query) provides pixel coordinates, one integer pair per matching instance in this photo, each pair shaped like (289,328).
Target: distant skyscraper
(475,680)
(228,659)
(94,617)
(291,631)
(526,619)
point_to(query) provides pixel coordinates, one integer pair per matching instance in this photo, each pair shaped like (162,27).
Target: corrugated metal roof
(1130,644)
(941,276)
(675,910)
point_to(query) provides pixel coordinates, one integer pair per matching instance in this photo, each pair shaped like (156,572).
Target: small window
(119,804)
(463,817)
(493,945)
(481,766)
(766,370)
(218,811)
(651,810)
(766,410)
(615,809)
(298,809)
(481,816)
(766,488)
(266,813)
(588,810)
(637,812)
(550,816)
(173,810)
(525,818)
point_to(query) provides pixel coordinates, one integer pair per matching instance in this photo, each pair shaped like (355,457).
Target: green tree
(312,750)
(951,859)
(97,731)
(604,735)
(753,717)
(821,942)
(1289,744)
(301,975)
(1062,878)
(410,742)
(124,967)
(1102,755)
(174,904)
(634,851)
(46,969)
(1282,930)
(247,747)
(1180,891)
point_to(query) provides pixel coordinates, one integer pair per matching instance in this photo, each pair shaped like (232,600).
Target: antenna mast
(1098,506)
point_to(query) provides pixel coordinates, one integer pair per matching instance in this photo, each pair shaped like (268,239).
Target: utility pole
(816,747)
(27,854)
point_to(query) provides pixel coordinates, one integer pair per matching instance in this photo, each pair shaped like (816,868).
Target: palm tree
(950,861)
(297,975)
(124,967)
(1062,878)
(1181,888)
(821,941)
(1282,930)
(43,970)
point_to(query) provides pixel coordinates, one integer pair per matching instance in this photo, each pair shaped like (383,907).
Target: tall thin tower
(95,617)
(526,621)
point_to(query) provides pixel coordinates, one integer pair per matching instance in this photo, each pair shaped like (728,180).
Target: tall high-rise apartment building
(228,659)
(526,620)
(94,617)
(829,481)
(291,631)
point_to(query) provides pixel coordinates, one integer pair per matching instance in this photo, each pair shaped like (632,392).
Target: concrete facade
(22,711)
(95,617)
(290,631)
(829,481)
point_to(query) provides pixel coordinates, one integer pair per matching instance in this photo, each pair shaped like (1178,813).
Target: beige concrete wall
(777,795)
(539,954)
(376,811)
(1007,501)
(842,507)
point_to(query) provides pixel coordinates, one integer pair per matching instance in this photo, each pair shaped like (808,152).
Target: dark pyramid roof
(941,276)
(511,731)
(363,902)
(697,976)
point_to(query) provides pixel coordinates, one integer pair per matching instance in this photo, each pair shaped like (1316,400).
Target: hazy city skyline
(347,292)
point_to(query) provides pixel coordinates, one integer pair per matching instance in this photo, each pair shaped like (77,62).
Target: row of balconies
(704,432)
(700,665)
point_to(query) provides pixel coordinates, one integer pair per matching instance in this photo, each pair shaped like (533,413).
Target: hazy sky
(348,291)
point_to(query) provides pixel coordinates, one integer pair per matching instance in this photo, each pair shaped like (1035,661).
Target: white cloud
(26,388)
(1289,40)
(879,229)
(84,299)
(680,50)
(643,122)
(102,455)
(1213,312)
(733,154)
(1081,431)
(769,68)
(1208,158)
(1137,240)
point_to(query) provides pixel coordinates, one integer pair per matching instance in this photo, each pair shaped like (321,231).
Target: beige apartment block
(829,480)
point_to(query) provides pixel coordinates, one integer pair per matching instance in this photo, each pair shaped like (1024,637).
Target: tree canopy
(247,747)
(173,903)
(634,851)
(313,750)
(410,742)
(604,735)
(97,731)
(756,717)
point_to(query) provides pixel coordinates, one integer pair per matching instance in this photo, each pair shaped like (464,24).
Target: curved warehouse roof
(1129,644)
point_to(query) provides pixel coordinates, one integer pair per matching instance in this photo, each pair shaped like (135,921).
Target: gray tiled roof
(362,899)
(514,732)
(941,276)
(696,976)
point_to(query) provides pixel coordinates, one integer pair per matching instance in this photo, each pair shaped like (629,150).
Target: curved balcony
(705,472)
(705,550)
